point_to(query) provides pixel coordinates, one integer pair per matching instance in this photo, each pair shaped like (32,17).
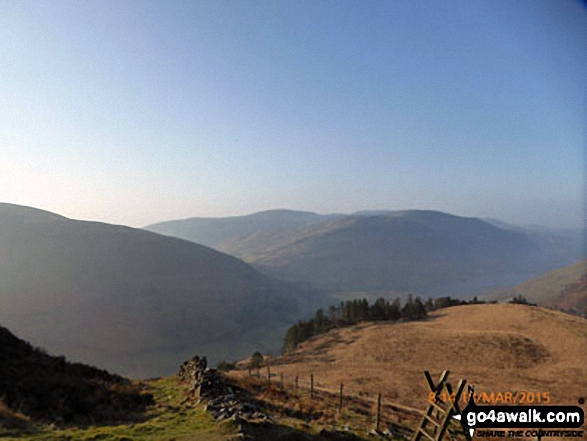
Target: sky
(134,112)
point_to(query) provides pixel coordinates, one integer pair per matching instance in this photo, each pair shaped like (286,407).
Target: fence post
(282,381)
(312,386)
(340,400)
(378,411)
(296,382)
(249,371)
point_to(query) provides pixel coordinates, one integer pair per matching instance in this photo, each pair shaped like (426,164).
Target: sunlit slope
(563,288)
(223,231)
(129,300)
(573,298)
(497,347)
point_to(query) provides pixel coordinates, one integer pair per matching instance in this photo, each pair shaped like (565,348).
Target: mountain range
(385,253)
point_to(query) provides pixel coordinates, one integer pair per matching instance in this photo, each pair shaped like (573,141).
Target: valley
(132,301)
(139,303)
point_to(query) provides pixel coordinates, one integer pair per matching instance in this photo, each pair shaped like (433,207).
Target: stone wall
(223,400)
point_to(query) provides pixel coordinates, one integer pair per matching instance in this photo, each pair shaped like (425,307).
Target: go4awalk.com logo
(513,421)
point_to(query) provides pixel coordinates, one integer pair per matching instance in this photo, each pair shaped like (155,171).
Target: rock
(377,433)
(222,401)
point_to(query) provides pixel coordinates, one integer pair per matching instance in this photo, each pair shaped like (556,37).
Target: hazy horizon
(138,112)
(326,213)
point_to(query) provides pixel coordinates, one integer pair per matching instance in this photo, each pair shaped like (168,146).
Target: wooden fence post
(296,382)
(282,381)
(312,386)
(378,411)
(340,401)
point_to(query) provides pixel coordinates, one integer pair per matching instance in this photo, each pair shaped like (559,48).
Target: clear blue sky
(133,112)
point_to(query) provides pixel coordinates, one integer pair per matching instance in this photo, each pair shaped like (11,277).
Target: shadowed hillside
(36,385)
(428,253)
(129,300)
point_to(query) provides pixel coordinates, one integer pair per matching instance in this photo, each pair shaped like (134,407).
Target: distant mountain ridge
(129,300)
(213,231)
(422,251)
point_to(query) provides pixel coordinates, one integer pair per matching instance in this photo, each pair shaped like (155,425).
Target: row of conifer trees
(355,311)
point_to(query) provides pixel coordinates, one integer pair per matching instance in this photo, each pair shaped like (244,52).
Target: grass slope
(45,388)
(497,347)
(169,418)
(563,288)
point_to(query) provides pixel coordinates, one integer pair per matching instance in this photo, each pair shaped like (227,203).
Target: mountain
(496,347)
(426,252)
(563,288)
(39,386)
(129,300)
(214,232)
(374,253)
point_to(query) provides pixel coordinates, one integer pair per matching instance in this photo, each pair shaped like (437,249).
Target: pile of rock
(192,372)
(223,401)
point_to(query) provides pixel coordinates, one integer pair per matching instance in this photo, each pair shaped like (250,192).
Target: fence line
(340,399)
(296,383)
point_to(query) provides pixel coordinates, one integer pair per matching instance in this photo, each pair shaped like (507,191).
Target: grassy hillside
(47,398)
(130,300)
(563,288)
(496,347)
(34,385)
(168,418)
(573,298)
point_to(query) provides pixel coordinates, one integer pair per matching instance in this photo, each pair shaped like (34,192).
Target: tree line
(355,311)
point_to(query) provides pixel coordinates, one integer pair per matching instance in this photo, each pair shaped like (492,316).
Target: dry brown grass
(496,347)
(297,409)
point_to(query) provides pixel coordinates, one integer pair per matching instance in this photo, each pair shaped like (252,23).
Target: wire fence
(381,414)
